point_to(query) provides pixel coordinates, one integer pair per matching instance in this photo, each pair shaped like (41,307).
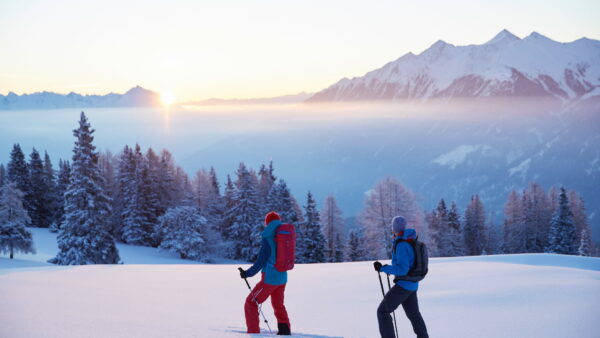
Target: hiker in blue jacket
(403,292)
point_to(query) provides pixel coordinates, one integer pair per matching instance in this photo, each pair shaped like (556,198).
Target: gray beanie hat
(398,224)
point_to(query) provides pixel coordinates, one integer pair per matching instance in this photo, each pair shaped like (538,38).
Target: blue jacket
(403,260)
(267,257)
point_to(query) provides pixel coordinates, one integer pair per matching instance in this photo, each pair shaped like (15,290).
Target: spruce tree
(229,205)
(247,225)
(39,208)
(310,240)
(281,201)
(438,230)
(138,216)
(51,197)
(85,237)
(62,184)
(185,233)
(355,248)
(14,237)
(474,231)
(3,178)
(562,238)
(18,172)
(455,234)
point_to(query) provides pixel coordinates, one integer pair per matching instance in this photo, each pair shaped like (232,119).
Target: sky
(193,50)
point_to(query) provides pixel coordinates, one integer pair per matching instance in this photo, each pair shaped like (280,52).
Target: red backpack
(285,242)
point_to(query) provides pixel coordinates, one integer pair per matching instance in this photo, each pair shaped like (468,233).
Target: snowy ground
(533,295)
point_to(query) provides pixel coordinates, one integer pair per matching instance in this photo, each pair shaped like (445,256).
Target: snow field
(536,295)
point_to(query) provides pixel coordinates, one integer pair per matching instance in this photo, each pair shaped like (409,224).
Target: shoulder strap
(413,244)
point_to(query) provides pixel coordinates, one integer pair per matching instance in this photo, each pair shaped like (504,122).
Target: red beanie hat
(271,217)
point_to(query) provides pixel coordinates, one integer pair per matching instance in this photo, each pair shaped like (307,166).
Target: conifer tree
(40,209)
(281,201)
(84,237)
(355,248)
(51,197)
(562,237)
(455,234)
(18,172)
(229,204)
(3,178)
(185,233)
(310,241)
(246,217)
(439,230)
(62,184)
(474,231)
(14,237)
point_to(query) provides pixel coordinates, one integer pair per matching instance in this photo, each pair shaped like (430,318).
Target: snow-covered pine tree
(166,184)
(438,231)
(457,240)
(389,198)
(14,237)
(85,237)
(139,220)
(228,208)
(51,197)
(513,230)
(62,184)
(3,178)
(185,233)
(493,237)
(246,217)
(266,180)
(474,230)
(586,247)
(355,249)
(332,226)
(562,237)
(40,211)
(18,172)
(281,201)
(310,241)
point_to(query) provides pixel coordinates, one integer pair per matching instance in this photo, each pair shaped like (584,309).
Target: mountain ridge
(504,66)
(134,97)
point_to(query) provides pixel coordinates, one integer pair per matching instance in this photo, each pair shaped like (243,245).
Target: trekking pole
(381,284)
(259,305)
(393,312)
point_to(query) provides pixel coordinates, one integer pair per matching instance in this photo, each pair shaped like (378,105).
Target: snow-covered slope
(529,296)
(505,66)
(135,97)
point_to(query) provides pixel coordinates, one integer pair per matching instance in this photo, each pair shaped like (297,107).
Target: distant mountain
(135,97)
(505,66)
(293,98)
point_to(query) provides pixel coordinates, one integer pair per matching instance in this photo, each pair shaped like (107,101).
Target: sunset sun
(167,98)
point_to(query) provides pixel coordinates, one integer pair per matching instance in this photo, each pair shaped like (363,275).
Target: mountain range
(505,66)
(134,97)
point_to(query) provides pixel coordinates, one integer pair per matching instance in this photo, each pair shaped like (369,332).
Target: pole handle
(245,279)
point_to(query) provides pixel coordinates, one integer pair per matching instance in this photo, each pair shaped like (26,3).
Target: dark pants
(396,296)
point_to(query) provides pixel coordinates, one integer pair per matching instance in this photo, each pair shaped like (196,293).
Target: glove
(377,265)
(243,274)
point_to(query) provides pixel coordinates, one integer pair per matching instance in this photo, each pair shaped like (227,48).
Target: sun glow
(167,98)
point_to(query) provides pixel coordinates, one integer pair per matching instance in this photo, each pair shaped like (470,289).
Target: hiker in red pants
(272,282)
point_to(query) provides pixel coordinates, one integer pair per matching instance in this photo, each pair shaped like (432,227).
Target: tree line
(143,198)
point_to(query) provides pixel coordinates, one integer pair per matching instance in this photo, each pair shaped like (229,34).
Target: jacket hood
(271,227)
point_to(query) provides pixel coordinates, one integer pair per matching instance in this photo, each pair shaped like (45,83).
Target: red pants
(259,294)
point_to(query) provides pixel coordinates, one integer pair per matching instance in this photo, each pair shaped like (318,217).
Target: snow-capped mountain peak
(502,37)
(505,66)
